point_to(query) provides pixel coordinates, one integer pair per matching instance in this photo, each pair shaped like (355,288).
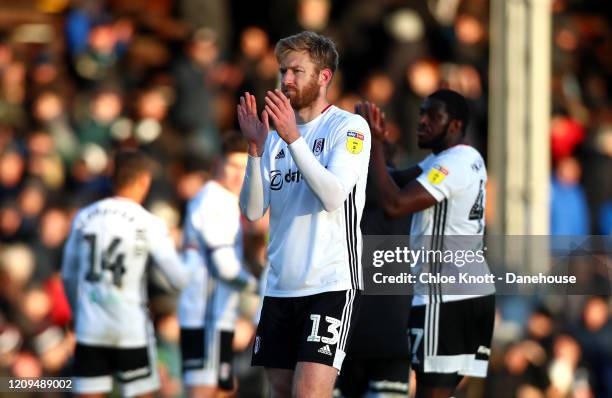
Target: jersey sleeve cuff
(435,192)
(298,146)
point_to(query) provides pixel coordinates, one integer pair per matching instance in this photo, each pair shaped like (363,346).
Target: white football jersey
(457,178)
(105,261)
(311,250)
(212,223)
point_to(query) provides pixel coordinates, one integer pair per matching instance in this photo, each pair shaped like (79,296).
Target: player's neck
(309,113)
(448,145)
(131,194)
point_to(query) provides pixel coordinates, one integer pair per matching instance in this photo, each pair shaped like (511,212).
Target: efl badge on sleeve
(437,174)
(354,142)
(317,147)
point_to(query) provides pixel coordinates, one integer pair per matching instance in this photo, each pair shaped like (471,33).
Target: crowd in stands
(79,79)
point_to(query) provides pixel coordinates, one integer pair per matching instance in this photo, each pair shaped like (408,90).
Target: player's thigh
(281,381)
(314,380)
(92,370)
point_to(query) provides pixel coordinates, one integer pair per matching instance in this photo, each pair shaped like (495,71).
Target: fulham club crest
(317,148)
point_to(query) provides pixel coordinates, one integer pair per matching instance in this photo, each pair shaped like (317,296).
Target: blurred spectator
(31,202)
(50,111)
(594,338)
(522,366)
(194,108)
(569,211)
(597,161)
(102,118)
(99,75)
(605,218)
(566,134)
(562,370)
(12,167)
(106,41)
(54,228)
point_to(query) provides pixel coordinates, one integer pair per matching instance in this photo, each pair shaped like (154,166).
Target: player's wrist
(378,146)
(292,136)
(255,150)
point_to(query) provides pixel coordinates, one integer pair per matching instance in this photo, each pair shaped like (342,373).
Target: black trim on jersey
(355,226)
(442,234)
(350,222)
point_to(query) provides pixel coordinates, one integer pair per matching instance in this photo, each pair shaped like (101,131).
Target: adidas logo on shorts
(325,350)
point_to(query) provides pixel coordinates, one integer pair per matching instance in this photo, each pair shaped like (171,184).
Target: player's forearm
(388,191)
(325,185)
(403,177)
(253,194)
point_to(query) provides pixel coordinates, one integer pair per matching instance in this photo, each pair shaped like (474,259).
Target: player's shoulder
(342,116)
(211,193)
(463,159)
(212,202)
(347,123)
(461,153)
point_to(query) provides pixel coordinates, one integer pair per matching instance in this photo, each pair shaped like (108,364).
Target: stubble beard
(436,143)
(301,99)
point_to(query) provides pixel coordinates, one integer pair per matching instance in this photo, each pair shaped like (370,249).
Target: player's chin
(292,95)
(424,144)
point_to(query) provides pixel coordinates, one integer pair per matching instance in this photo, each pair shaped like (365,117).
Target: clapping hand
(254,129)
(282,114)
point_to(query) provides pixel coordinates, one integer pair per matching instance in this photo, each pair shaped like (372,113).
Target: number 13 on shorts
(334,325)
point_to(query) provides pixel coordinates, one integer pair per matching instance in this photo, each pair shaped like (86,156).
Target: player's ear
(145,179)
(325,77)
(456,126)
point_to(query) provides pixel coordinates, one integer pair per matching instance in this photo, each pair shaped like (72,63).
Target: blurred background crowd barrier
(79,79)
